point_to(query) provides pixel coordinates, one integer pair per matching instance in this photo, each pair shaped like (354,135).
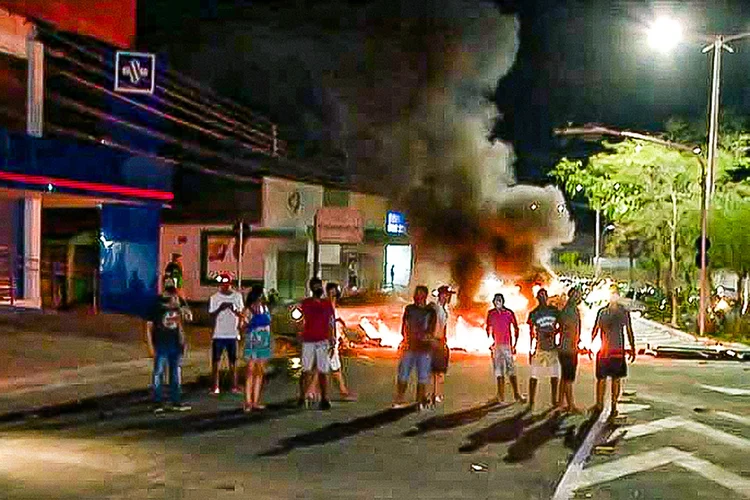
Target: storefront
(279,252)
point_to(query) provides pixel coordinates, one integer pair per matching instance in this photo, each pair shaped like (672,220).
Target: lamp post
(664,35)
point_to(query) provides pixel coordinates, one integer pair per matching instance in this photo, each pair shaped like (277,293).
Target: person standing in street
(333,292)
(500,321)
(543,327)
(173,271)
(258,347)
(611,320)
(165,336)
(318,341)
(225,308)
(570,335)
(417,330)
(440,355)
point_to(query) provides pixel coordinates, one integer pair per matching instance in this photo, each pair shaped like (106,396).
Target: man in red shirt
(500,320)
(318,341)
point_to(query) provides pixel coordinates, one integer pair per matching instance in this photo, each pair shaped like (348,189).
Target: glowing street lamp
(665,34)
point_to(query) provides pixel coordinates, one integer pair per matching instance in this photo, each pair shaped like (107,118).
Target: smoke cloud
(402,88)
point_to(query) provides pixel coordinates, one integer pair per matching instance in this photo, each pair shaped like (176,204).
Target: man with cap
(543,327)
(225,308)
(440,352)
(165,336)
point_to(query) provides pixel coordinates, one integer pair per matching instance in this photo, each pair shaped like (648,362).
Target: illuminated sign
(395,223)
(134,72)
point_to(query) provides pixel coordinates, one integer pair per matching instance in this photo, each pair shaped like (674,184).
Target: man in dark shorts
(440,351)
(417,329)
(543,326)
(610,360)
(570,334)
(225,308)
(165,335)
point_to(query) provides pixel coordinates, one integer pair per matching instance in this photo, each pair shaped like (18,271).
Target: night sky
(578,62)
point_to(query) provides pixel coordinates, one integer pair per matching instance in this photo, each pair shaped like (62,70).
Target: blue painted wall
(129,251)
(65,159)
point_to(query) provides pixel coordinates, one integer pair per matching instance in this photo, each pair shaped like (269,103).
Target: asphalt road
(114,447)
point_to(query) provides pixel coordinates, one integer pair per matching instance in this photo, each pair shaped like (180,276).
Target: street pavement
(687,436)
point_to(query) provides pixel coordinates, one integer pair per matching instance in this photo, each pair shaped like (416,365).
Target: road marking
(640,430)
(732,416)
(715,473)
(567,484)
(657,458)
(625,467)
(624,408)
(727,390)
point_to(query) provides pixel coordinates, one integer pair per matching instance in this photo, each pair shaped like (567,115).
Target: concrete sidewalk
(49,358)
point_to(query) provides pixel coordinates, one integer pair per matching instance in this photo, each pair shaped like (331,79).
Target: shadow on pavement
(95,408)
(502,431)
(455,419)
(181,424)
(339,430)
(534,438)
(574,438)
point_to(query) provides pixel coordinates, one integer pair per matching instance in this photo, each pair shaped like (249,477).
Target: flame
(466,329)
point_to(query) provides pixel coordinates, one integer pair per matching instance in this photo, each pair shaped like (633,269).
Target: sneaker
(180,407)
(215,391)
(397,405)
(426,406)
(325,405)
(438,399)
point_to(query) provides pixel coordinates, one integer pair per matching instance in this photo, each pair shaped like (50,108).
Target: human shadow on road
(455,419)
(502,431)
(92,409)
(339,430)
(575,437)
(534,438)
(181,424)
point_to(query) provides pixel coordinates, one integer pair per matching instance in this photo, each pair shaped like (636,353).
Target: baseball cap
(169,283)
(445,289)
(224,277)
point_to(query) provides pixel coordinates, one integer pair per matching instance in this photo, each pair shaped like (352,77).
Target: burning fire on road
(381,324)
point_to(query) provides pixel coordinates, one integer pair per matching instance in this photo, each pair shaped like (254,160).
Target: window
(335,198)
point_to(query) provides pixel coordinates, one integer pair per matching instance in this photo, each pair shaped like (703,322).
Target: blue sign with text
(395,223)
(134,72)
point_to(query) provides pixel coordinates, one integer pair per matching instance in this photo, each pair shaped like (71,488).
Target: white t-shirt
(441,320)
(226,322)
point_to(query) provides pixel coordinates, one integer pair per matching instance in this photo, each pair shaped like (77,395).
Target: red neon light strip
(149,194)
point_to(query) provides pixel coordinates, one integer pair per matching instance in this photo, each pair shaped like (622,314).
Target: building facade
(279,245)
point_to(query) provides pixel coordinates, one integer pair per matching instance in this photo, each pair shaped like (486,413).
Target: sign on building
(135,72)
(339,225)
(395,223)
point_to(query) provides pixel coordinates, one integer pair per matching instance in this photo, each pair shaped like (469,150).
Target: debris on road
(478,467)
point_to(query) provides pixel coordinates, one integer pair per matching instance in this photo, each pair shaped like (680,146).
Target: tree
(643,188)
(730,238)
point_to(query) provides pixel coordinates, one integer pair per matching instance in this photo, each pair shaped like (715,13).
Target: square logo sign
(134,73)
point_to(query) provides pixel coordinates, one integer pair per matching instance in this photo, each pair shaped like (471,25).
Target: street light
(666,33)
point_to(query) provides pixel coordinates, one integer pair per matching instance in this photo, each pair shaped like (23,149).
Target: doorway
(398,259)
(291,274)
